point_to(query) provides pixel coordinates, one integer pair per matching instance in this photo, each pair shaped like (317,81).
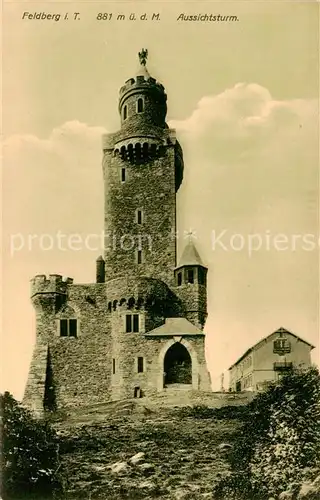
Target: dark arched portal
(177,365)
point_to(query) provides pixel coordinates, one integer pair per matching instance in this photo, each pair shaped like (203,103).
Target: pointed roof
(142,71)
(190,256)
(175,326)
(280,330)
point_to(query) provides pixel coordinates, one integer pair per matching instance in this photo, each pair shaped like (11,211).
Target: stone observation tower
(137,331)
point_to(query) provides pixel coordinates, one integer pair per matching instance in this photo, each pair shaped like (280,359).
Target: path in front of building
(163,447)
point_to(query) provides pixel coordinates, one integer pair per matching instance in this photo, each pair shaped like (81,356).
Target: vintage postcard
(160,259)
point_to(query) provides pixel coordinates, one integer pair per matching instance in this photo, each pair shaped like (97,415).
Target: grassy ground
(182,460)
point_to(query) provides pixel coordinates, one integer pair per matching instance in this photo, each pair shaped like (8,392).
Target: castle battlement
(54,283)
(141,81)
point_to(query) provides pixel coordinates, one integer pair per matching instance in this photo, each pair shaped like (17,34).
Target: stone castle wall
(142,169)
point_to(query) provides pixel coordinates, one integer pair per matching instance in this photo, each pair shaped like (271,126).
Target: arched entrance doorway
(177,365)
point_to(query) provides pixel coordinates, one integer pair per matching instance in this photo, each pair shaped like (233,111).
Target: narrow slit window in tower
(139,216)
(113,366)
(140,364)
(125,112)
(190,276)
(179,279)
(139,256)
(140,105)
(137,393)
(123,174)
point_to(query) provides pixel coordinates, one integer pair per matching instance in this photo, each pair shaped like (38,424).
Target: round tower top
(142,99)
(142,77)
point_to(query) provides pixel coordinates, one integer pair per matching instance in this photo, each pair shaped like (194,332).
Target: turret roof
(142,71)
(175,326)
(190,256)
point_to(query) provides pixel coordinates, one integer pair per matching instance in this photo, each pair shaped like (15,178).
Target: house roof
(280,330)
(174,326)
(190,256)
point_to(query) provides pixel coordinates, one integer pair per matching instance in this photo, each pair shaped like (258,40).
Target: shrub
(278,448)
(29,451)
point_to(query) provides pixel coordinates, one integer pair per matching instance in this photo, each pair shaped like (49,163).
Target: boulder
(138,457)
(119,467)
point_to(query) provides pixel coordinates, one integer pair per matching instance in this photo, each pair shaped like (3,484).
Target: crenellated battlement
(141,293)
(54,283)
(140,150)
(141,81)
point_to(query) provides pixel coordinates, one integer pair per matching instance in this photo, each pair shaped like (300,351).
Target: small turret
(143,100)
(48,294)
(191,283)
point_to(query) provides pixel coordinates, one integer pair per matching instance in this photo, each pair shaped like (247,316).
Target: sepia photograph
(160,250)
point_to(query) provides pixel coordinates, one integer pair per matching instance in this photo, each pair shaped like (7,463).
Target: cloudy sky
(243,98)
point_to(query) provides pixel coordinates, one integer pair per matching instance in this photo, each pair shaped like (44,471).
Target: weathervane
(143,56)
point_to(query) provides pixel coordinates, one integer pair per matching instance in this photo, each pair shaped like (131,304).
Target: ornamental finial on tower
(143,56)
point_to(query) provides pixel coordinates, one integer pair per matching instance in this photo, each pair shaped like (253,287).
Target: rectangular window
(201,276)
(190,276)
(140,105)
(139,256)
(179,281)
(68,327)
(128,323)
(136,323)
(64,328)
(123,174)
(113,366)
(72,327)
(140,364)
(132,323)
(139,217)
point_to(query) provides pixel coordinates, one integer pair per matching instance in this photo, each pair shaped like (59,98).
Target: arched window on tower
(140,105)
(125,112)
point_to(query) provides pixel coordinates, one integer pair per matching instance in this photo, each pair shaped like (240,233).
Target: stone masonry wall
(81,367)
(149,187)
